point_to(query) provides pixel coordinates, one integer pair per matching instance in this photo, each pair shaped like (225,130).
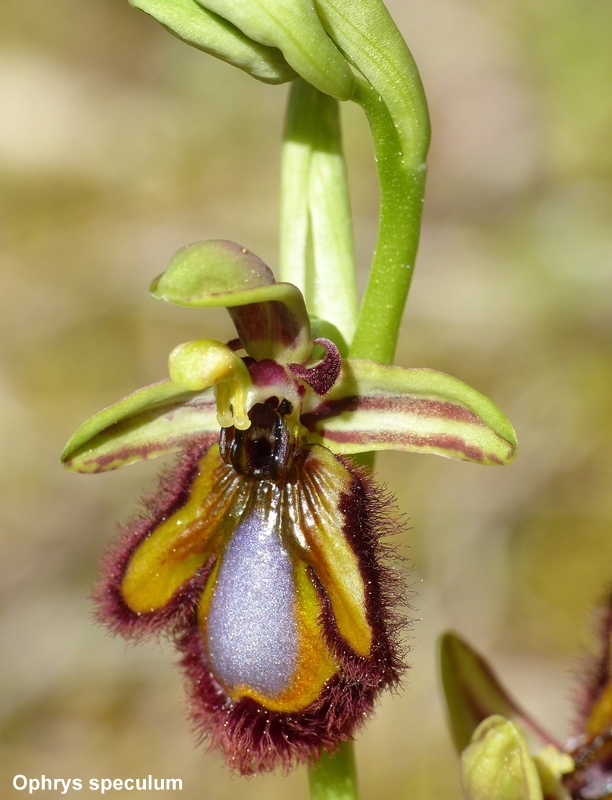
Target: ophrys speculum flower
(261,552)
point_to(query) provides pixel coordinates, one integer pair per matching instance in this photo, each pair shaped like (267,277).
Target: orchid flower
(260,554)
(507,755)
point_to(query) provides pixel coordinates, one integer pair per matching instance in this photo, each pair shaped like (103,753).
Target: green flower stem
(316,234)
(402,187)
(393,99)
(334,777)
(295,180)
(366,33)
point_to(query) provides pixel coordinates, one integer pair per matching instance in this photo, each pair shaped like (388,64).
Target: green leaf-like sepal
(473,692)
(270,317)
(373,407)
(148,423)
(209,32)
(295,29)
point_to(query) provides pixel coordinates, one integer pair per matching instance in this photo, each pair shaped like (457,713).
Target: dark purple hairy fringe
(323,375)
(592,755)
(256,740)
(171,492)
(594,672)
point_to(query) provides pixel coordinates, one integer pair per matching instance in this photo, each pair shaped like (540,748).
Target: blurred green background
(118,145)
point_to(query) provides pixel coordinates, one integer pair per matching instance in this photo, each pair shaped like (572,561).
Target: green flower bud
(274,41)
(497,764)
(207,31)
(295,28)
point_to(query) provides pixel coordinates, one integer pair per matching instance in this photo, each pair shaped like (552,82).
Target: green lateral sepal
(148,423)
(374,407)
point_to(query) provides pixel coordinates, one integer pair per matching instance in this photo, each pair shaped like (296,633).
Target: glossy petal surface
(260,618)
(250,620)
(373,407)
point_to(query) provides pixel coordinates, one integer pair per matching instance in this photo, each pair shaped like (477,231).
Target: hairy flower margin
(505,753)
(260,555)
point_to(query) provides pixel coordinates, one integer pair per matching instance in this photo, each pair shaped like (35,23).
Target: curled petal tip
(322,376)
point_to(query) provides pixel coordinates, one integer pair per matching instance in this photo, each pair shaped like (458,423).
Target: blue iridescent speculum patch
(260,555)
(251,627)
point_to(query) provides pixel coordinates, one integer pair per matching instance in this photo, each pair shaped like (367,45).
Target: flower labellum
(261,553)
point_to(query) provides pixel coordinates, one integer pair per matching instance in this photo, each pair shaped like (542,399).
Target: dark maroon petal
(269,328)
(323,375)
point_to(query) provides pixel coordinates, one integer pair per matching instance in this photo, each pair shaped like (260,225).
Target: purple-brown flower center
(267,447)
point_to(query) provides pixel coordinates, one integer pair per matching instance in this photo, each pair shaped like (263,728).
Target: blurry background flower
(118,144)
